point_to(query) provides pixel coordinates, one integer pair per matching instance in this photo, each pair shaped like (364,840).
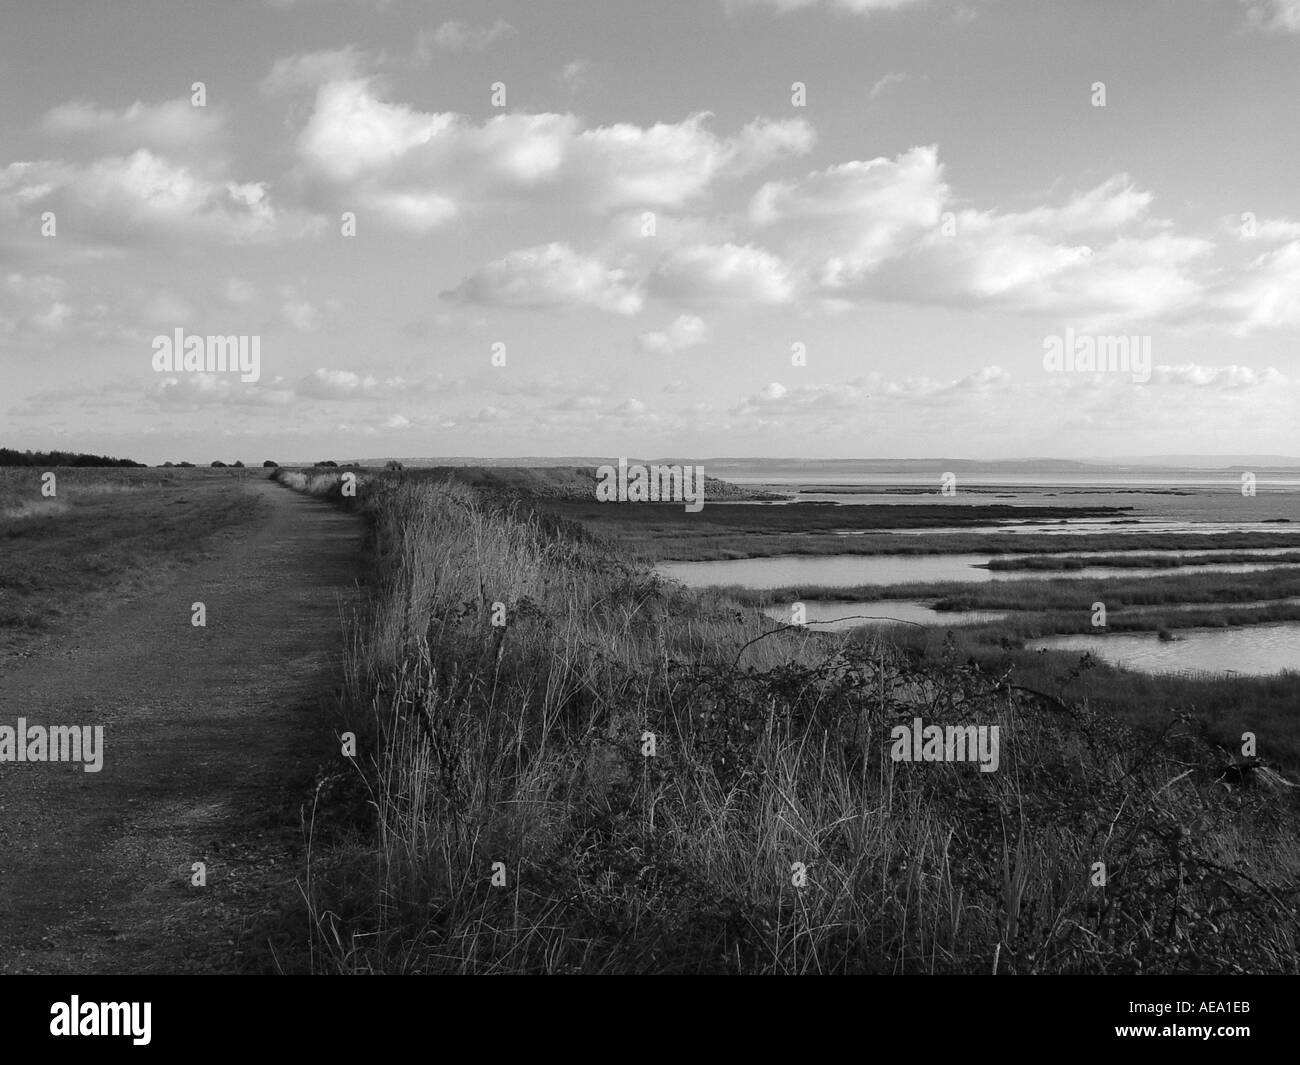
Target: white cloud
(39,301)
(669,164)
(421,169)
(165,308)
(1217,377)
(1264,229)
(35,287)
(239,291)
(856,7)
(550,275)
(53,318)
(352,133)
(142,195)
(324,383)
(882,84)
(310,70)
(575,75)
(723,274)
(861,212)
(1279,16)
(200,390)
(1265,294)
(685,331)
(300,314)
(886,229)
(173,125)
(455,36)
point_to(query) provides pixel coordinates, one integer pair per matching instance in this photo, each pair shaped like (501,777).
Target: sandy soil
(211,738)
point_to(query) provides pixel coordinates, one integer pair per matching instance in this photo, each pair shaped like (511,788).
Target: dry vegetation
(523,744)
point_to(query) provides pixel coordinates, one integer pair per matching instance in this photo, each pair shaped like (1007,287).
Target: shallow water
(838,615)
(851,570)
(1111,526)
(1254,650)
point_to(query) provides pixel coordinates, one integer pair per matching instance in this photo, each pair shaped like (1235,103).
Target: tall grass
(520,749)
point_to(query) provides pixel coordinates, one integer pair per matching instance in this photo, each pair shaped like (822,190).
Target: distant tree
(269,465)
(185,465)
(169,465)
(393,464)
(10,457)
(238,464)
(218,464)
(327,462)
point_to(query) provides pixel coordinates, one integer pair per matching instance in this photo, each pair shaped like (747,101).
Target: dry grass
(523,743)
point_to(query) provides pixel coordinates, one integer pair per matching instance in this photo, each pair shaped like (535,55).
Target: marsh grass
(657,532)
(522,744)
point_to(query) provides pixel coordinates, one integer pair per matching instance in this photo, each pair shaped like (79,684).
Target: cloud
(873,390)
(454,36)
(669,164)
(863,211)
(887,229)
(723,275)
(421,169)
(123,199)
(575,75)
(855,7)
(34,287)
(1277,16)
(239,292)
(300,314)
(549,276)
(891,229)
(884,83)
(1265,294)
(685,331)
(310,70)
(165,308)
(1221,378)
(196,391)
(39,303)
(1263,229)
(325,383)
(170,126)
(776,401)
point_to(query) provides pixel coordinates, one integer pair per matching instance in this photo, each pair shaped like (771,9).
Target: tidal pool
(847,571)
(838,615)
(1251,650)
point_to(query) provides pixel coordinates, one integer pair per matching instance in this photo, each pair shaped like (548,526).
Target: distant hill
(1212,462)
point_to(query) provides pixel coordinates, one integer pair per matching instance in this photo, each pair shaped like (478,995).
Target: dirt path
(210,738)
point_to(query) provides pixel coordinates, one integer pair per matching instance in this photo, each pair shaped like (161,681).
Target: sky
(822,228)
